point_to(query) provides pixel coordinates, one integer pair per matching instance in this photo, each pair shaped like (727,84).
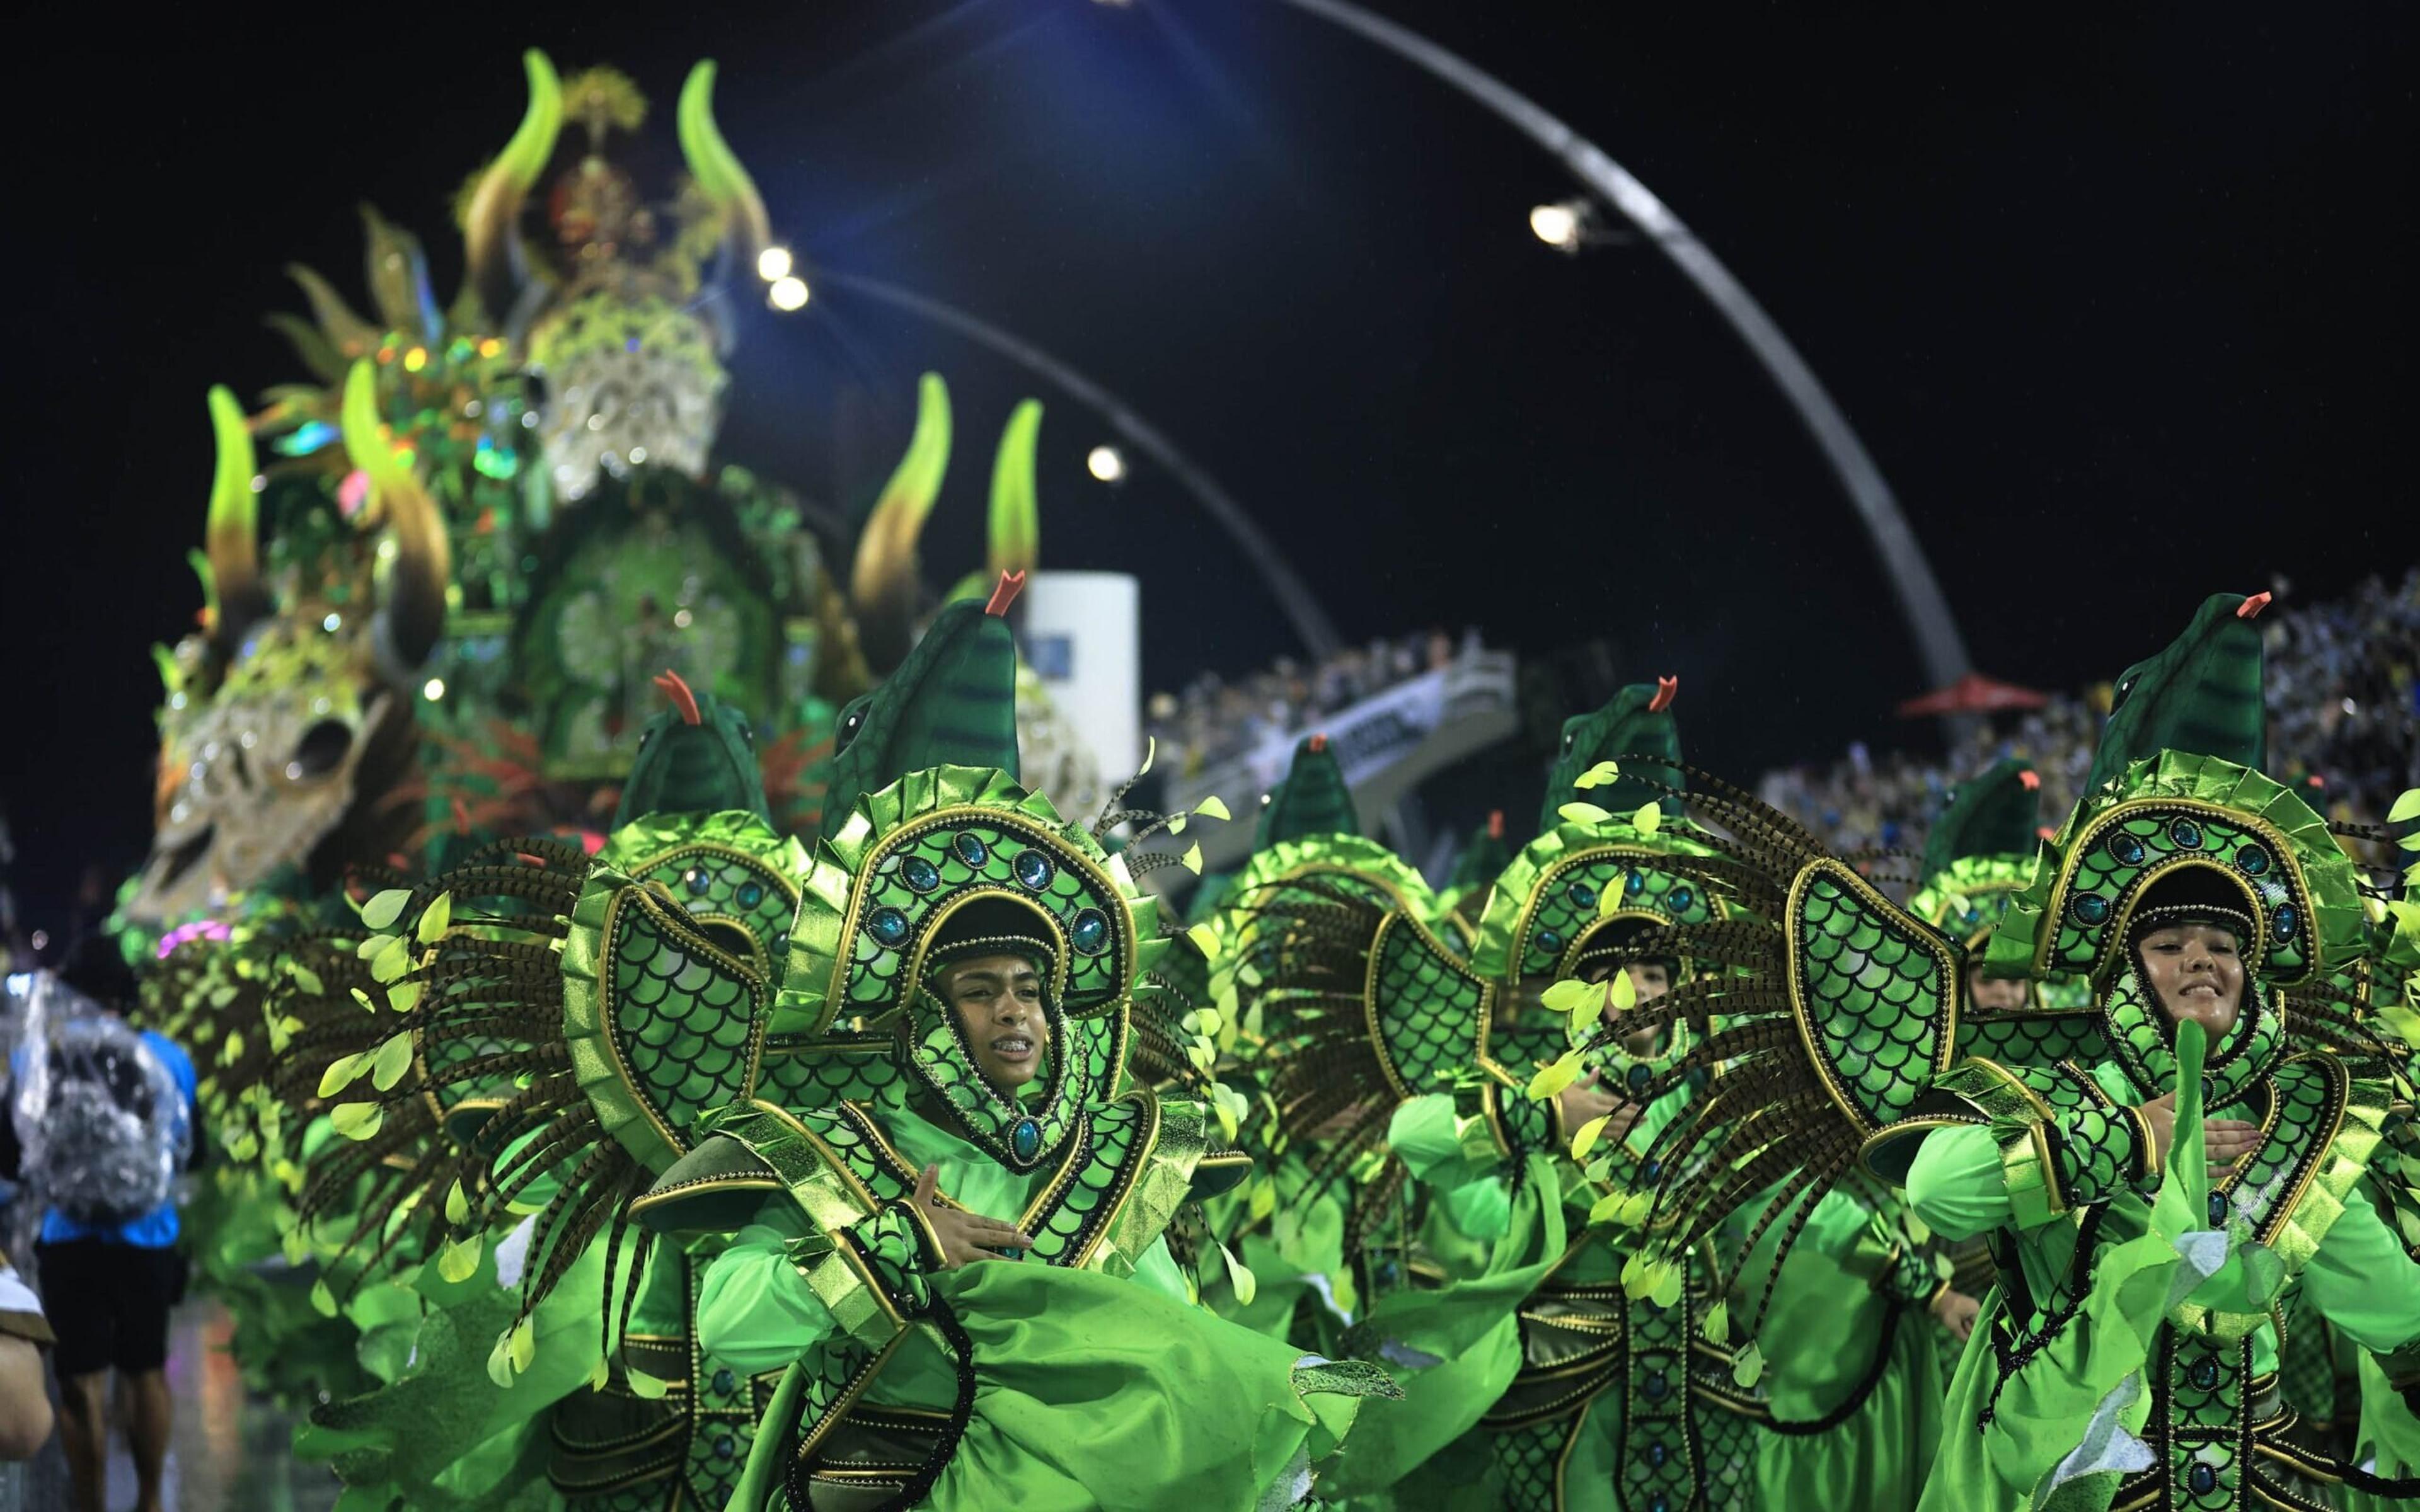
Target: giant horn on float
(1015,522)
(882,584)
(412,608)
(746,229)
(231,539)
(496,265)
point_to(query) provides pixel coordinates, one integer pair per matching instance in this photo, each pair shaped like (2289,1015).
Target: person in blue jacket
(108,1286)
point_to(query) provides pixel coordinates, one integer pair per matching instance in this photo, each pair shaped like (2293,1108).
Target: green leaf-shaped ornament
(340,1075)
(393,960)
(382,911)
(500,1361)
(1586,1140)
(1565,996)
(1717,1326)
(1747,1367)
(1240,1276)
(1555,1075)
(390,1061)
(1609,901)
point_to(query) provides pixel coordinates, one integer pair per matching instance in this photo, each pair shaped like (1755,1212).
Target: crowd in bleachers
(2343,694)
(2344,706)
(1211,719)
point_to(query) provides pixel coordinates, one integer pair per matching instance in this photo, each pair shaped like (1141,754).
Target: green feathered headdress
(1637,727)
(1978,854)
(2202,694)
(888,891)
(912,854)
(2179,810)
(699,756)
(1313,799)
(952,701)
(1575,882)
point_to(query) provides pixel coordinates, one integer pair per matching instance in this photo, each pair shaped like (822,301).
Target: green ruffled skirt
(1092,1392)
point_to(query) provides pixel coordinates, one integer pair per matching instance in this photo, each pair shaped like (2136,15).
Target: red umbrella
(1973,694)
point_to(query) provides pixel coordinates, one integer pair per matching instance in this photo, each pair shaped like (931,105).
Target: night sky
(2122,308)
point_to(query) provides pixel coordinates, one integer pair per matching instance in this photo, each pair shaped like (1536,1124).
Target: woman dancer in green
(2145,1262)
(997,947)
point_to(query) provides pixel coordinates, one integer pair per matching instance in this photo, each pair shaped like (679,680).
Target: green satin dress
(2044,1431)
(1089,1389)
(1453,1341)
(1853,1381)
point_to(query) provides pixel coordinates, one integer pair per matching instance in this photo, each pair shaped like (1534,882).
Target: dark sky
(2122,308)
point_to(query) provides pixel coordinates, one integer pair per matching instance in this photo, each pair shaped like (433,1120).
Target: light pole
(1310,621)
(1920,600)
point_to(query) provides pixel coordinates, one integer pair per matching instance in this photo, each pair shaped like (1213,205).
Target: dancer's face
(2195,972)
(1652,978)
(998,1000)
(1996,993)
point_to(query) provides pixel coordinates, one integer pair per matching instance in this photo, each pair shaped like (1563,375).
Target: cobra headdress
(1840,1011)
(1979,851)
(880,907)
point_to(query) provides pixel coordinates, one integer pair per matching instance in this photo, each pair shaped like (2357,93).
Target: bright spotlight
(1107,464)
(1557,226)
(773,263)
(433,689)
(788,292)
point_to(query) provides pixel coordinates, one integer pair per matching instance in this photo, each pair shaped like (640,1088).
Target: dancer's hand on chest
(965,1236)
(2224,1140)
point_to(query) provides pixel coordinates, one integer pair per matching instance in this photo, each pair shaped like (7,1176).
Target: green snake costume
(680,922)
(2131,1354)
(1590,1397)
(984,1385)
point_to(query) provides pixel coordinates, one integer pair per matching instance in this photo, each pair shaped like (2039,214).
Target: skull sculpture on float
(294,697)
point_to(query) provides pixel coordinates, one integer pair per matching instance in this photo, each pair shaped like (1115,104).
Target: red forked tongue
(678,693)
(2029,780)
(1319,742)
(1667,689)
(1004,593)
(1495,824)
(2250,609)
